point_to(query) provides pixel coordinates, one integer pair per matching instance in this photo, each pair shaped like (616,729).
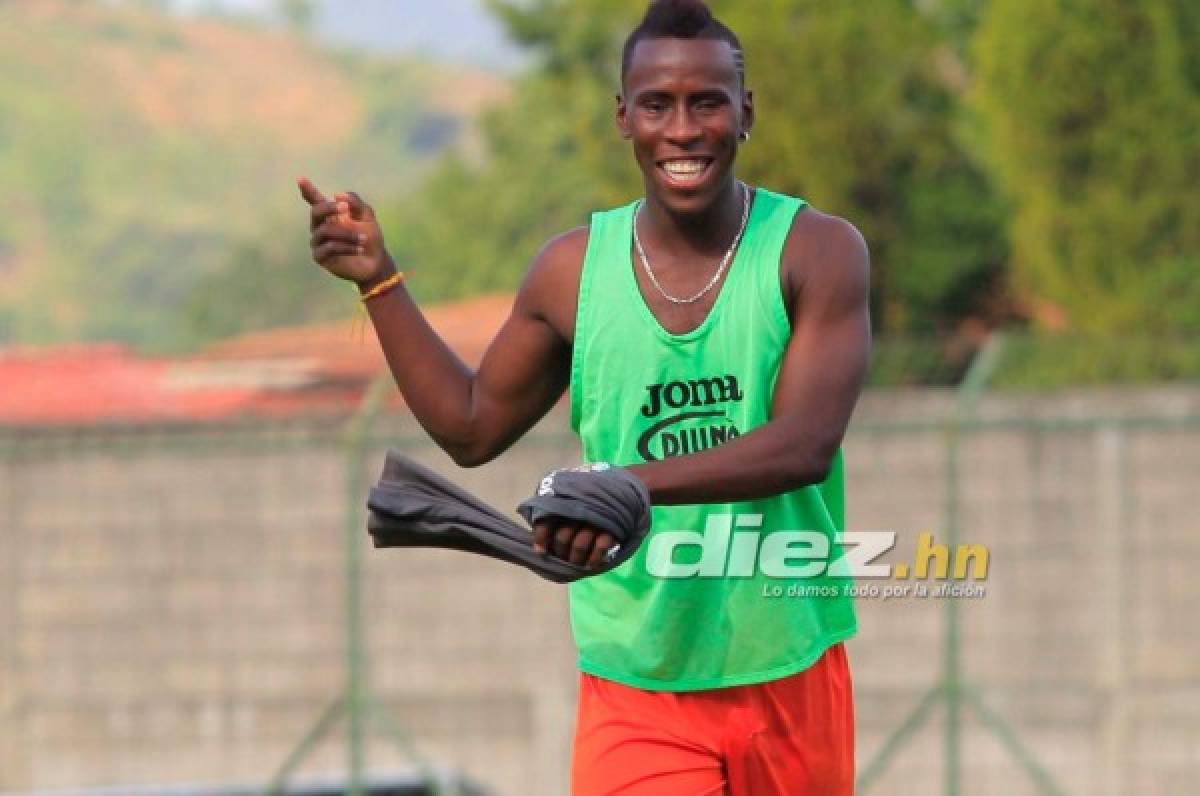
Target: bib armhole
(583,319)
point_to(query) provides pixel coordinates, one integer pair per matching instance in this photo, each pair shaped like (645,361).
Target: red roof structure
(285,372)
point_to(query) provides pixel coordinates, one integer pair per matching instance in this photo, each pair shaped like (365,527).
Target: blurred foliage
(1038,360)
(299,14)
(1092,111)
(149,166)
(266,278)
(1025,163)
(906,361)
(262,284)
(1010,163)
(1041,360)
(855,114)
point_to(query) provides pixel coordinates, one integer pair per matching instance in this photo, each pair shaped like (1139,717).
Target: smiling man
(714,337)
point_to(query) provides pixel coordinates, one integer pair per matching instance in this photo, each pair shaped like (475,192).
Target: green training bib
(694,608)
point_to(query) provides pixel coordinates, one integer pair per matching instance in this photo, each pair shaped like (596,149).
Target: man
(715,338)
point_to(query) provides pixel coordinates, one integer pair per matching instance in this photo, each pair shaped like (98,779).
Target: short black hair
(681,19)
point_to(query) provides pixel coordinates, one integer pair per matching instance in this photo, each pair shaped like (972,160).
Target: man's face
(683,107)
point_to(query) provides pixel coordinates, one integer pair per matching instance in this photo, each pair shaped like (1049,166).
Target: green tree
(854,114)
(264,284)
(859,113)
(1093,113)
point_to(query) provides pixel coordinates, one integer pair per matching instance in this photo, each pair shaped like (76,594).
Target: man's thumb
(359,210)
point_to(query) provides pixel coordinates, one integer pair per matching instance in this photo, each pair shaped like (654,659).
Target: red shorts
(787,737)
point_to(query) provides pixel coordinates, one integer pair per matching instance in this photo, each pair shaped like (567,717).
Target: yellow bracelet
(383,286)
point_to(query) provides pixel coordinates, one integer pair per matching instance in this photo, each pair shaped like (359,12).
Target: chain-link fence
(177,605)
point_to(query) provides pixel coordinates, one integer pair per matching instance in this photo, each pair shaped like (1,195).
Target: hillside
(139,150)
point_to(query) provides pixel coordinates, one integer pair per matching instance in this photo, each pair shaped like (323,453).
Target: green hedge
(1039,361)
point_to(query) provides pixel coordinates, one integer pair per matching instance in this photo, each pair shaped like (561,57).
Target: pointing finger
(309,191)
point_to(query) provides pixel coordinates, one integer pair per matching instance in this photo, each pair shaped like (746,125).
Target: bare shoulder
(825,257)
(550,290)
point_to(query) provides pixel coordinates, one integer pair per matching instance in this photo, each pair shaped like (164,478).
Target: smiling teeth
(685,168)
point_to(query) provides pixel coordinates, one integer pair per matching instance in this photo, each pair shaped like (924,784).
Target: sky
(456,30)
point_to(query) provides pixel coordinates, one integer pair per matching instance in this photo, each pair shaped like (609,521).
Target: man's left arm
(827,275)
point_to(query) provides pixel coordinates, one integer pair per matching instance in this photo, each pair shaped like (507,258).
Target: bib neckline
(735,268)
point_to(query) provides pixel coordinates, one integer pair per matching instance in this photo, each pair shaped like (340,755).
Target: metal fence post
(355,700)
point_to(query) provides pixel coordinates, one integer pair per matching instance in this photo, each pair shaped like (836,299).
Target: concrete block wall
(172,605)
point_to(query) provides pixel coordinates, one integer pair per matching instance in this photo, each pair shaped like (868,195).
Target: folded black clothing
(597,495)
(412,506)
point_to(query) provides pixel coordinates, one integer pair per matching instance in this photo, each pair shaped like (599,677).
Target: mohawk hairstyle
(681,19)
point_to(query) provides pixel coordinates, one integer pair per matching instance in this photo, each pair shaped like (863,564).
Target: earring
(745,136)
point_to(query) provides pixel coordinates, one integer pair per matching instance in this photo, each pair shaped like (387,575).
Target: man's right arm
(474,415)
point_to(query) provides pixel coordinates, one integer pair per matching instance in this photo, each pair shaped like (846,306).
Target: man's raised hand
(346,239)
